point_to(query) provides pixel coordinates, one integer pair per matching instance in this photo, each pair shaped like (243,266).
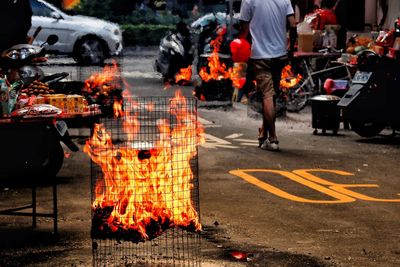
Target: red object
(239,255)
(320,18)
(241,50)
(328,86)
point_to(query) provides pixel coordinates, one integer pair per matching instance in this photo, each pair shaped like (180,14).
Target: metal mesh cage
(145,191)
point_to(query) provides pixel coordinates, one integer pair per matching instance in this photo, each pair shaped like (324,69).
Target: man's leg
(269,117)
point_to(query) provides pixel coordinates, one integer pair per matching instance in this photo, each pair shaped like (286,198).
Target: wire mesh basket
(145,189)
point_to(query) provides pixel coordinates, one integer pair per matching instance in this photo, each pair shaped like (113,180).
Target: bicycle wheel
(297,98)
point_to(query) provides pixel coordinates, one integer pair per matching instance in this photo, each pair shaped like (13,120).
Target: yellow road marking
(340,192)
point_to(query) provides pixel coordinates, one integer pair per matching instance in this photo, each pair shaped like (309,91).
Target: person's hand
(290,55)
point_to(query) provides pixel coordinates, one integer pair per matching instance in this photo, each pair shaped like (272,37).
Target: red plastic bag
(320,18)
(240,50)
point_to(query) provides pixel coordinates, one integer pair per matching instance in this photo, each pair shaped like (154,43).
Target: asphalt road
(321,201)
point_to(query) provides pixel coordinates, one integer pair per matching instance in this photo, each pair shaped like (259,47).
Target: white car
(89,40)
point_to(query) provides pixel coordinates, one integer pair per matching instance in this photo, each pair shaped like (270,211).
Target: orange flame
(217,69)
(184,75)
(288,78)
(105,81)
(70,4)
(117,106)
(144,187)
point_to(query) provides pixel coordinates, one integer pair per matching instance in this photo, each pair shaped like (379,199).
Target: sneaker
(261,137)
(261,141)
(270,145)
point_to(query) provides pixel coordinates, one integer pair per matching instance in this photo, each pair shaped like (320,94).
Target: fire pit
(218,76)
(145,200)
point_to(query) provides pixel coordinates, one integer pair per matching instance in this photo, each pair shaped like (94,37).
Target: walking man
(266,21)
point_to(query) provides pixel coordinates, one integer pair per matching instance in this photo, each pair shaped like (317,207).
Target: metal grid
(160,157)
(78,72)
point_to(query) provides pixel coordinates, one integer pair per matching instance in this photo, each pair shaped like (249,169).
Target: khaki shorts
(268,74)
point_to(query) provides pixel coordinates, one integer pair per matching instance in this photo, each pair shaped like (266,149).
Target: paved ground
(321,201)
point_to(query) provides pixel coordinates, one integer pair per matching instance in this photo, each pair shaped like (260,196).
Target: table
(30,155)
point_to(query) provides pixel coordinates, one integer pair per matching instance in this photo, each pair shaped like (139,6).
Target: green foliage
(95,8)
(144,34)
(147,16)
(140,26)
(123,12)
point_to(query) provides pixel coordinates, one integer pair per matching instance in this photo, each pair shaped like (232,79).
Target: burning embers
(217,79)
(184,76)
(146,188)
(104,88)
(216,69)
(288,78)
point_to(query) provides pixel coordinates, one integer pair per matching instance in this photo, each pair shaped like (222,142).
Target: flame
(103,82)
(217,69)
(150,106)
(117,107)
(142,188)
(70,4)
(288,78)
(237,75)
(185,75)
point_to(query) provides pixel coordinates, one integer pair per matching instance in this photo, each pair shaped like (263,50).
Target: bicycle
(314,76)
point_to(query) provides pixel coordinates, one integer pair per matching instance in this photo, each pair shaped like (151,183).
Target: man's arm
(244,29)
(292,32)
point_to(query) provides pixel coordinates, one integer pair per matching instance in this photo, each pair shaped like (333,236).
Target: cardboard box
(305,43)
(69,104)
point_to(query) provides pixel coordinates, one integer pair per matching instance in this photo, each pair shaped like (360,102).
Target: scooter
(175,53)
(371,103)
(17,65)
(18,62)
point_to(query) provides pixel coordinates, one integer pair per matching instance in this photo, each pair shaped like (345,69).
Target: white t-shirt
(268,20)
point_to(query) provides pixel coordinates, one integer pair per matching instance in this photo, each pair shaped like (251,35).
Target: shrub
(144,34)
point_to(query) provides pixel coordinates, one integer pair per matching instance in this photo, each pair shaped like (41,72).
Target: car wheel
(90,51)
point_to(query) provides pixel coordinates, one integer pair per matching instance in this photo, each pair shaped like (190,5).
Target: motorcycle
(371,103)
(206,30)
(175,52)
(17,67)
(18,62)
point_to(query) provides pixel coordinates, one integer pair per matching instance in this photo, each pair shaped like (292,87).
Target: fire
(288,78)
(117,107)
(103,82)
(184,75)
(147,190)
(70,4)
(237,77)
(217,69)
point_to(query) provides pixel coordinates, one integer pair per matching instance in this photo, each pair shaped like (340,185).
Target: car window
(40,9)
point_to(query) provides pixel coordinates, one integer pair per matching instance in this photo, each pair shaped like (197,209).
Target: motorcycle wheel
(367,129)
(55,160)
(296,102)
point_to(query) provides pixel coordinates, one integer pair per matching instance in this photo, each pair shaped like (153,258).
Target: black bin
(325,113)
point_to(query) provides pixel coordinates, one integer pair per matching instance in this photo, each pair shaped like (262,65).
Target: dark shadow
(254,255)
(24,246)
(393,140)
(20,237)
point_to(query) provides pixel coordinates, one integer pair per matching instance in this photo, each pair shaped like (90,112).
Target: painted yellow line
(339,198)
(339,192)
